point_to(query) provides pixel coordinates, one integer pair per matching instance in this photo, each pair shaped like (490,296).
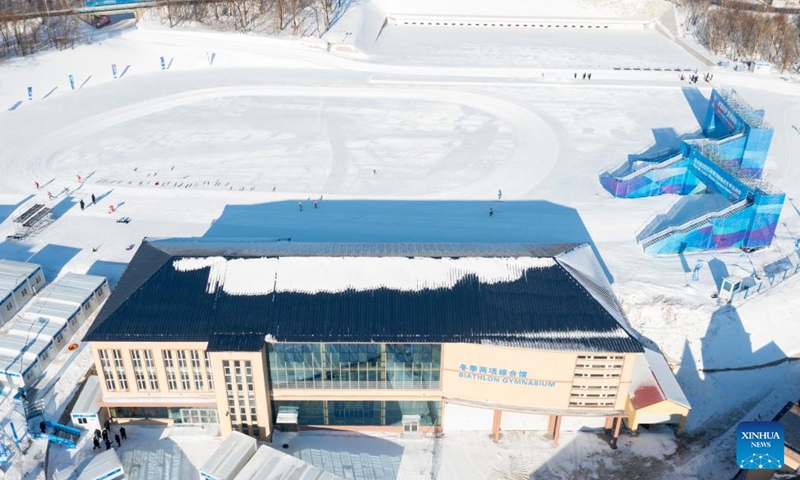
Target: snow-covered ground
(410,141)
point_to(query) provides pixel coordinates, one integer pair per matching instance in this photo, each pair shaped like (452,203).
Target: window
(82,421)
(169,366)
(352,413)
(355,366)
(123,381)
(99,293)
(59,338)
(209,377)
(151,369)
(197,370)
(141,381)
(182,366)
(9,306)
(108,372)
(24,292)
(44,356)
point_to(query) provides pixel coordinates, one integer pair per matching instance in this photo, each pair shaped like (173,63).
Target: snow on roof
(51,309)
(88,401)
(16,364)
(36,326)
(25,344)
(653,382)
(72,288)
(271,464)
(665,378)
(644,389)
(10,267)
(229,458)
(105,465)
(261,276)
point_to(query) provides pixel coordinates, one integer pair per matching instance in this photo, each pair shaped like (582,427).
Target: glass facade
(355,365)
(355,413)
(179,415)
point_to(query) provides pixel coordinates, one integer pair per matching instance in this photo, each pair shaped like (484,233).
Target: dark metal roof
(790,418)
(546,308)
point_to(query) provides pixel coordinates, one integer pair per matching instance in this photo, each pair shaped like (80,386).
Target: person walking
(122,433)
(93,199)
(108,445)
(116,439)
(96,442)
(83,205)
(590,76)
(584,75)
(43,427)
(575,75)
(491,212)
(499,194)
(300,204)
(97,433)
(314,202)
(105,435)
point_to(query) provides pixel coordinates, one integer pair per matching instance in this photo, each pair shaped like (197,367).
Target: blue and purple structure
(730,161)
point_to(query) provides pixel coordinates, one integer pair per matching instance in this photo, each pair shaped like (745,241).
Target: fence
(774,274)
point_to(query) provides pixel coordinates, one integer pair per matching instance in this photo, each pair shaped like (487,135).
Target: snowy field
(411,143)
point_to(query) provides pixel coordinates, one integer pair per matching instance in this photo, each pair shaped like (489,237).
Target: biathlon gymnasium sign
(500,375)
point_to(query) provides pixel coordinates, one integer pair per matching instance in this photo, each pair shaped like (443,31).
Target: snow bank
(261,276)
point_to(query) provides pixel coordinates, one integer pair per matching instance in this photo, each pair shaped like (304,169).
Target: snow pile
(262,276)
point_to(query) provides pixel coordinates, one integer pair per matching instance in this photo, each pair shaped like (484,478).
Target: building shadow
(345,454)
(719,271)
(52,258)
(110,270)
(697,102)
(394,221)
(7,210)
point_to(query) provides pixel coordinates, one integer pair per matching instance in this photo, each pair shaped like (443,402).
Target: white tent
(271,464)
(105,466)
(226,462)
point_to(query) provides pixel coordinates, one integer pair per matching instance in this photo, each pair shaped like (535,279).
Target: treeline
(26,36)
(23,36)
(745,36)
(299,17)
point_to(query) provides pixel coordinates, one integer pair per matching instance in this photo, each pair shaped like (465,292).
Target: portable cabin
(18,370)
(40,347)
(86,291)
(19,282)
(269,463)
(87,413)
(69,314)
(226,462)
(42,327)
(103,466)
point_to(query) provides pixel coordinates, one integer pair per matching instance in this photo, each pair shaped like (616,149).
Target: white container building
(226,462)
(87,413)
(19,282)
(104,466)
(36,336)
(269,463)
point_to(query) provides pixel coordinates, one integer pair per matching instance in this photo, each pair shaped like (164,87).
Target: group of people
(586,76)
(105,436)
(50,196)
(693,78)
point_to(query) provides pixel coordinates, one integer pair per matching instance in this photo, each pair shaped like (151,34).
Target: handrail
(694,223)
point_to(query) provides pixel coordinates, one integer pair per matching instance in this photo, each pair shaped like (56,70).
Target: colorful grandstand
(729,161)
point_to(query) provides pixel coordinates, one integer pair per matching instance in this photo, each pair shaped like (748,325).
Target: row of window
(176,363)
(354,366)
(348,413)
(241,395)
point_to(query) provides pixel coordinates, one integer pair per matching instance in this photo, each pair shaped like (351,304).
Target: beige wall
(661,409)
(549,376)
(258,362)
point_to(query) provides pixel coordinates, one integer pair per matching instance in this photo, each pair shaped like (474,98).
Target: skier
(590,76)
(43,427)
(499,194)
(116,439)
(93,199)
(49,195)
(37,185)
(491,212)
(111,209)
(80,179)
(83,205)
(122,433)
(575,75)
(584,75)
(96,442)
(314,202)
(374,171)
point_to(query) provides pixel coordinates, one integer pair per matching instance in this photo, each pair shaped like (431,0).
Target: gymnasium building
(257,335)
